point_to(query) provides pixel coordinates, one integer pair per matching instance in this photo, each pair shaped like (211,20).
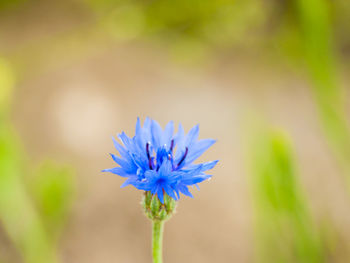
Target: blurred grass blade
(32,219)
(284,228)
(318,47)
(17,212)
(53,190)
(7,81)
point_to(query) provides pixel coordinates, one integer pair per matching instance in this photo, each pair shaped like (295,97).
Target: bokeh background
(269,79)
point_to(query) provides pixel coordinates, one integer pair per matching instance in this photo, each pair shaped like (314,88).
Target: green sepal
(155,210)
(147,200)
(163,215)
(170,203)
(155,206)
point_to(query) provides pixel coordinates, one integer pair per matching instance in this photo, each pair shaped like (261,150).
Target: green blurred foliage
(285,231)
(17,211)
(189,28)
(218,24)
(319,54)
(32,214)
(53,192)
(7,82)
(8,4)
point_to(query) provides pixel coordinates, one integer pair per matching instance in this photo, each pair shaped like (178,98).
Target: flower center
(161,181)
(161,154)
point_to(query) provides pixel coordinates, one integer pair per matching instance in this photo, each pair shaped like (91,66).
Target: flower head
(160,161)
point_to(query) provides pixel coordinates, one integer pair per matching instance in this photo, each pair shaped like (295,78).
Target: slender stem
(157,241)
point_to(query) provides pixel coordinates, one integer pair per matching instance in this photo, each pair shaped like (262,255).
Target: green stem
(157,241)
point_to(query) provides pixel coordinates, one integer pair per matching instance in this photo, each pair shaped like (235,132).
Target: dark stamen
(183,157)
(149,157)
(172,145)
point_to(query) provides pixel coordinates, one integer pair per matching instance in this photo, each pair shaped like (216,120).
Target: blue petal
(151,174)
(127,182)
(154,189)
(187,142)
(202,167)
(140,161)
(168,133)
(117,170)
(128,166)
(121,162)
(179,141)
(128,142)
(147,124)
(209,165)
(197,149)
(122,151)
(165,168)
(160,194)
(192,135)
(146,130)
(157,133)
(195,179)
(183,189)
(170,192)
(180,135)
(138,129)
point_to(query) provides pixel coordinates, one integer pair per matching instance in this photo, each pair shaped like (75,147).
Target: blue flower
(150,162)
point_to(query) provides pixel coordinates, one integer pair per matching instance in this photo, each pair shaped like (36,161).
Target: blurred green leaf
(6,4)
(26,227)
(183,24)
(7,81)
(317,36)
(53,189)
(17,213)
(284,228)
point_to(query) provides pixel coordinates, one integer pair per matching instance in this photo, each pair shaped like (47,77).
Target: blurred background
(269,79)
